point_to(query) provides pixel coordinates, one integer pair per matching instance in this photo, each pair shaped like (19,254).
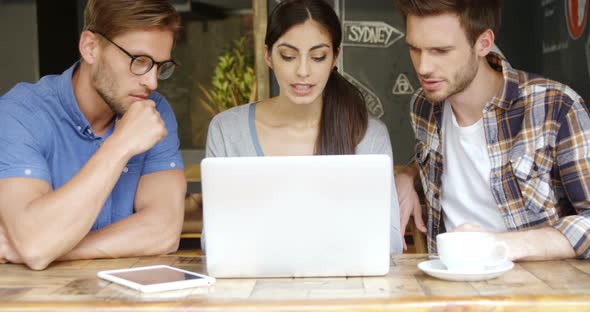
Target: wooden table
(73,286)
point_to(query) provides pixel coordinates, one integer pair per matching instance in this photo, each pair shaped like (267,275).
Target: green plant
(233,81)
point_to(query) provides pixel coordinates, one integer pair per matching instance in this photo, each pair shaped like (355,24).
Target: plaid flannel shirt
(538,140)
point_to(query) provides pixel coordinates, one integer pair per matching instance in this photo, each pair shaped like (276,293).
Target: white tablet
(156,278)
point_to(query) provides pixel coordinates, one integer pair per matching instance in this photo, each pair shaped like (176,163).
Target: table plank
(392,286)
(230,289)
(560,275)
(519,281)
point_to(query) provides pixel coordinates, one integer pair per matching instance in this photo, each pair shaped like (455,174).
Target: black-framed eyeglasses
(142,64)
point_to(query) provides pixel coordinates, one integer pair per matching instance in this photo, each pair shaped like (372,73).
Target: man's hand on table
(409,203)
(7,251)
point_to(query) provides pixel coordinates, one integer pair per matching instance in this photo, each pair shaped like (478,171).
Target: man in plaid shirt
(497,149)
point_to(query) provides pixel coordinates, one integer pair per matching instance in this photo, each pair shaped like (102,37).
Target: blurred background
(218,55)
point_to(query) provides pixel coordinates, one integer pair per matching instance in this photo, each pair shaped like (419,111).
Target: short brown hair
(114,17)
(476,16)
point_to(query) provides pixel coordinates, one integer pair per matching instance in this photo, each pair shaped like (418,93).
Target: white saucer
(437,269)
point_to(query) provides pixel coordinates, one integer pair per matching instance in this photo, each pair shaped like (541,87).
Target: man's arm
(539,244)
(7,251)
(43,224)
(409,203)
(573,163)
(544,243)
(154,229)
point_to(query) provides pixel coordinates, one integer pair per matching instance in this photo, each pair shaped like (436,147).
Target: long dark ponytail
(344,117)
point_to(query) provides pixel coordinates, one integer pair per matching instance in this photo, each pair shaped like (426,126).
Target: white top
(466,191)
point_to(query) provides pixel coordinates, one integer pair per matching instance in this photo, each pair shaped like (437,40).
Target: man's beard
(105,87)
(463,78)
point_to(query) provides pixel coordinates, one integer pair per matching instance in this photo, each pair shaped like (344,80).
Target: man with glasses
(89,160)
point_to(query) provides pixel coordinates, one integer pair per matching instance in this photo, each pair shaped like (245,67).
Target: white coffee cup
(470,251)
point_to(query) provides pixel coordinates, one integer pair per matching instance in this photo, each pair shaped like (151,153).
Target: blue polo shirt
(44,135)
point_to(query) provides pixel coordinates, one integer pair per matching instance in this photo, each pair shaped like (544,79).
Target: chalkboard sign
(374,57)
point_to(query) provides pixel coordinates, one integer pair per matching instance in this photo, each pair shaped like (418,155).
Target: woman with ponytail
(317,111)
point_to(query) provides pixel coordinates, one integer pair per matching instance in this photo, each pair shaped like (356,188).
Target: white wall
(19,59)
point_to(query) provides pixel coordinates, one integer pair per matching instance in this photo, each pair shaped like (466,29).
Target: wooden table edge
(484,303)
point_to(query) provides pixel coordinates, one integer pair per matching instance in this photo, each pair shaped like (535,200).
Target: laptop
(297,216)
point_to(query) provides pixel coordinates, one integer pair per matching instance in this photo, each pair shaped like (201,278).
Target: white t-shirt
(466,191)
